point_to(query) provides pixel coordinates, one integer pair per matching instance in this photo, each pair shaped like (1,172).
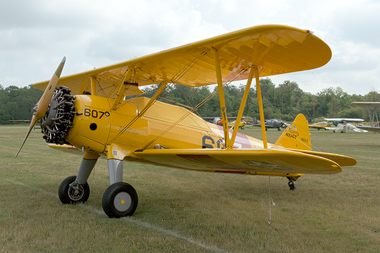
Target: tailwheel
(119,200)
(70,192)
(291,183)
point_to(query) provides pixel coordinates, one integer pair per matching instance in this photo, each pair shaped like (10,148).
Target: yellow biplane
(89,113)
(321,125)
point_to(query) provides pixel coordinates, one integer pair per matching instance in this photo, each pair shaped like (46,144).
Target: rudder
(296,135)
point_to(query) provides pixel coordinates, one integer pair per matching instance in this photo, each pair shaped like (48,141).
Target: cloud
(35,35)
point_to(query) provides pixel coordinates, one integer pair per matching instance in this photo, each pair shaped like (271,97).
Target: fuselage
(95,126)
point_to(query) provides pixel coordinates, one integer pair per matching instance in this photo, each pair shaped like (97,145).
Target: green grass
(185,211)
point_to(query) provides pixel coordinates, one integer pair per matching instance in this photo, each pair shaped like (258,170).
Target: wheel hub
(59,116)
(122,201)
(75,191)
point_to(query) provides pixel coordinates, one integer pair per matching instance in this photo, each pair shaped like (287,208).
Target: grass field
(185,211)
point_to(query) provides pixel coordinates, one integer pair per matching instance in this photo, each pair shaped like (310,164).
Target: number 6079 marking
(95,113)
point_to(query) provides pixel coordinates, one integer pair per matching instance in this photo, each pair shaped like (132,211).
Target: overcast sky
(35,35)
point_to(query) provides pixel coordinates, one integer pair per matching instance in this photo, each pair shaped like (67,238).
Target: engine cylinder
(59,116)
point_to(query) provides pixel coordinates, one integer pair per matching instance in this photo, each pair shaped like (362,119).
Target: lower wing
(253,161)
(280,162)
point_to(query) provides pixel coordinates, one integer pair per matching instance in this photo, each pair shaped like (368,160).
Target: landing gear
(291,183)
(70,192)
(119,200)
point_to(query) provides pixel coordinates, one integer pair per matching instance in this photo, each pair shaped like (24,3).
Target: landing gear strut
(291,183)
(120,199)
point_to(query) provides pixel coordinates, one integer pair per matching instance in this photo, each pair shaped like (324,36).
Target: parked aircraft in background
(19,121)
(321,125)
(86,113)
(241,125)
(218,121)
(22,121)
(341,125)
(337,121)
(270,123)
(372,108)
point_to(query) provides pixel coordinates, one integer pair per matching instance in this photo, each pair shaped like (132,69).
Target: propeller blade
(44,101)
(42,105)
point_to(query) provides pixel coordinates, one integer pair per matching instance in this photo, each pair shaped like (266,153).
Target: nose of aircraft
(39,110)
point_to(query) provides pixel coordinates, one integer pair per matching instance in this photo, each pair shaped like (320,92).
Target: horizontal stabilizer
(339,159)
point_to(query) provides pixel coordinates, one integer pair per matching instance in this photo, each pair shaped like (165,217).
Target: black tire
(119,200)
(73,194)
(292,186)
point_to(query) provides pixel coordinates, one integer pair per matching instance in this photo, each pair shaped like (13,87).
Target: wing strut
(123,86)
(93,85)
(242,105)
(261,110)
(223,109)
(372,118)
(142,112)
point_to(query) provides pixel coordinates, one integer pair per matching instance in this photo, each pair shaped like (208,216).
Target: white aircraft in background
(341,125)
(372,108)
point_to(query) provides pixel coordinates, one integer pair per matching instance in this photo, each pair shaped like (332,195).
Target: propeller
(39,110)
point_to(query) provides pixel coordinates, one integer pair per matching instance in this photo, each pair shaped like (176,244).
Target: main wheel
(70,192)
(119,200)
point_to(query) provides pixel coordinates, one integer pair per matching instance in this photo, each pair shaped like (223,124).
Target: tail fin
(296,135)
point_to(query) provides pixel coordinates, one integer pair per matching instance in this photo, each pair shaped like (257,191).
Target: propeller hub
(35,110)
(59,116)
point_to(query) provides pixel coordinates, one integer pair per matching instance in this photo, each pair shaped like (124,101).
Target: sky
(36,35)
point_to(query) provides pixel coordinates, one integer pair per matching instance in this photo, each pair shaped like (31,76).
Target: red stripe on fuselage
(241,139)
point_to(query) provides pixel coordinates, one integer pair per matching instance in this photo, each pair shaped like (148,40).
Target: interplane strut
(223,109)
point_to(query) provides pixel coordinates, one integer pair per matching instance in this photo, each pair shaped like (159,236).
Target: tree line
(17,103)
(283,102)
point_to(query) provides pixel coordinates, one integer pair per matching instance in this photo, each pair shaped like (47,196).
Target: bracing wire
(174,81)
(270,206)
(192,110)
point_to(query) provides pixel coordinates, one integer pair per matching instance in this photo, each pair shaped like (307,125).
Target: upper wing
(274,49)
(367,105)
(344,119)
(254,161)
